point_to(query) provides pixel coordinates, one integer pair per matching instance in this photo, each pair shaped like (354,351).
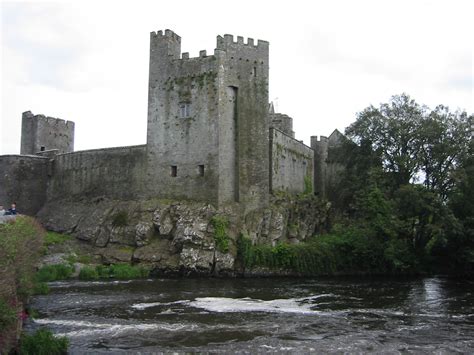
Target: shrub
(52,238)
(103,271)
(125,271)
(43,342)
(54,272)
(220,224)
(8,315)
(88,273)
(21,241)
(40,288)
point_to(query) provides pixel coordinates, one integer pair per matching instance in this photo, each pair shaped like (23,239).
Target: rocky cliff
(181,236)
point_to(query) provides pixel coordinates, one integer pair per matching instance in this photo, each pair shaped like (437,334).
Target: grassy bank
(21,246)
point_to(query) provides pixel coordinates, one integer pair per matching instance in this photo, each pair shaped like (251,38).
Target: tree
(392,130)
(414,142)
(444,142)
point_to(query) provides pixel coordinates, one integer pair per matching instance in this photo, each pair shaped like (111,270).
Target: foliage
(120,219)
(40,288)
(221,238)
(81,258)
(43,342)
(52,238)
(21,241)
(414,142)
(348,253)
(408,180)
(117,271)
(88,273)
(54,272)
(8,315)
(126,271)
(308,185)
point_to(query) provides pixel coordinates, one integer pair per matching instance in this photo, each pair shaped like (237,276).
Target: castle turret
(207,135)
(327,171)
(320,147)
(41,134)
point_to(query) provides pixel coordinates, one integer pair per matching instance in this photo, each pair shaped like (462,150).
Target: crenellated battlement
(47,119)
(228,40)
(321,139)
(40,133)
(168,34)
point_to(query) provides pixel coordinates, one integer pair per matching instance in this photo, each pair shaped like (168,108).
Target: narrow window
(184,110)
(201,170)
(43,148)
(174,170)
(254,71)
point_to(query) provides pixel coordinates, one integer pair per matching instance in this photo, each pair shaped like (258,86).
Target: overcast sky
(87,61)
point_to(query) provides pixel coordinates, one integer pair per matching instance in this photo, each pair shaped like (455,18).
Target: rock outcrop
(180,236)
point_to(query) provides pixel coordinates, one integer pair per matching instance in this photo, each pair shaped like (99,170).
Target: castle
(211,136)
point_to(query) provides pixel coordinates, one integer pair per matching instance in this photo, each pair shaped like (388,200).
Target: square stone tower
(207,135)
(40,133)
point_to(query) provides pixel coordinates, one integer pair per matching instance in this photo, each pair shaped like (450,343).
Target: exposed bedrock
(182,237)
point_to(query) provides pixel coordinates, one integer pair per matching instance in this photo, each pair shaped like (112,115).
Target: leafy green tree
(443,139)
(392,130)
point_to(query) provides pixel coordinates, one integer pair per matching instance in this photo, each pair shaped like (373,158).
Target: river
(273,315)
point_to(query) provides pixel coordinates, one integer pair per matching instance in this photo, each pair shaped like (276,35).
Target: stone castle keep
(211,136)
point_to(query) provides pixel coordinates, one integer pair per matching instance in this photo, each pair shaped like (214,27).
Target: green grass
(54,272)
(43,342)
(88,273)
(83,259)
(52,238)
(40,288)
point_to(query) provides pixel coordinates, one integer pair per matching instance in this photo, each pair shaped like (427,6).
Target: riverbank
(21,248)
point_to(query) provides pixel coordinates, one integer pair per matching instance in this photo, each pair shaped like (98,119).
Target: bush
(43,342)
(88,273)
(125,271)
(21,241)
(40,288)
(351,252)
(220,224)
(8,315)
(54,272)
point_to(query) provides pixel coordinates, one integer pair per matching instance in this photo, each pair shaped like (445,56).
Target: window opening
(201,170)
(174,170)
(184,109)
(42,148)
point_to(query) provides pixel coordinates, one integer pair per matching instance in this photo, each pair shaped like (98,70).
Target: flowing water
(331,315)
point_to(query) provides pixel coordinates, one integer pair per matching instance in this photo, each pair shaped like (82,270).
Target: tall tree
(444,142)
(392,129)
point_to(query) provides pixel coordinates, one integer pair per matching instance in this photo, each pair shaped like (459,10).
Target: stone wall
(41,133)
(327,171)
(291,162)
(182,135)
(24,180)
(207,133)
(112,172)
(244,75)
(282,122)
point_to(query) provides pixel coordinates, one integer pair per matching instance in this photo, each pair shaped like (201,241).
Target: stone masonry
(211,137)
